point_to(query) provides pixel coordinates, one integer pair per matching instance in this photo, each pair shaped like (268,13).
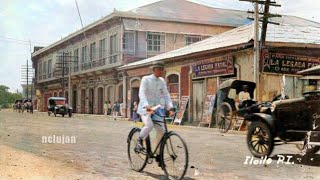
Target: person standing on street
(116,109)
(105,108)
(109,108)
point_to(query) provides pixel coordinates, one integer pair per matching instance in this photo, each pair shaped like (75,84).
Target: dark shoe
(139,146)
(158,160)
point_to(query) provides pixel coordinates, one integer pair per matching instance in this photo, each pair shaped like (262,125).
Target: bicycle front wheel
(137,159)
(174,156)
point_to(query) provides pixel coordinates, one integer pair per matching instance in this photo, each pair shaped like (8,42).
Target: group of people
(23,105)
(116,109)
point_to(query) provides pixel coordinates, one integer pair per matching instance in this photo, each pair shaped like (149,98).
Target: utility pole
(69,84)
(64,67)
(256,48)
(63,61)
(25,77)
(27,80)
(259,46)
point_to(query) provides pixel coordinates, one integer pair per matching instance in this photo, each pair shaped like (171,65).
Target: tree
(7,98)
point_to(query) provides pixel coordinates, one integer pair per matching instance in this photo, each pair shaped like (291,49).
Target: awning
(311,77)
(311,71)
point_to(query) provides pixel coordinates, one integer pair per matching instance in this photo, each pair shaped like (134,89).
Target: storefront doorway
(83,101)
(91,100)
(100,100)
(198,97)
(74,99)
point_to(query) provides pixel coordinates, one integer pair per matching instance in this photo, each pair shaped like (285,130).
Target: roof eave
(106,18)
(191,55)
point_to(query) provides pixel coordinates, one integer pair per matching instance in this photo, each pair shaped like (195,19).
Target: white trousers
(148,126)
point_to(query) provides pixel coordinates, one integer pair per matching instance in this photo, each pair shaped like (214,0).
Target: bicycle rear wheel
(174,156)
(138,160)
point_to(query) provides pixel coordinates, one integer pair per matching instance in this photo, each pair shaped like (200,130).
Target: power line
(20,41)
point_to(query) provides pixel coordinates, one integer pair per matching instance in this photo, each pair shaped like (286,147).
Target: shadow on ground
(308,159)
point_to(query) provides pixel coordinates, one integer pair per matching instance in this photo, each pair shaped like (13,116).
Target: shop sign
(217,67)
(182,109)
(287,64)
(207,110)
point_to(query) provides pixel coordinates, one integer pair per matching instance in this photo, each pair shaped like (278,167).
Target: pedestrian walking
(105,108)
(135,115)
(116,110)
(109,108)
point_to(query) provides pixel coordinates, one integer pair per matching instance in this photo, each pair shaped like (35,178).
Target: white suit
(153,91)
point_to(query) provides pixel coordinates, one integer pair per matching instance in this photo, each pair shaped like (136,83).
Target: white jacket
(153,91)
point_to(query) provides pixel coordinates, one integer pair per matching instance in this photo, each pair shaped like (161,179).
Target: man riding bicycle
(153,92)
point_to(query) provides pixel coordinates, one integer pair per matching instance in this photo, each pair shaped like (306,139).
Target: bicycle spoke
(137,159)
(175,157)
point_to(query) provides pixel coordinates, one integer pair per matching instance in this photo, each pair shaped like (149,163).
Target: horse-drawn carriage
(231,108)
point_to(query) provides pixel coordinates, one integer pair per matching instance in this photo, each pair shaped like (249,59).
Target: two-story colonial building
(91,55)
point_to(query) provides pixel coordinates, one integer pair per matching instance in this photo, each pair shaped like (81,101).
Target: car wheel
(260,139)
(310,150)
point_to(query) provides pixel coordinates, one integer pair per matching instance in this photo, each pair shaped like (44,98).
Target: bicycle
(170,145)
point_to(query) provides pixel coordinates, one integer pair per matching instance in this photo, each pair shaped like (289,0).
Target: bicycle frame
(150,154)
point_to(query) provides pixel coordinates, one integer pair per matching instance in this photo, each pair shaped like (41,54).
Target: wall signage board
(182,109)
(214,67)
(207,111)
(287,64)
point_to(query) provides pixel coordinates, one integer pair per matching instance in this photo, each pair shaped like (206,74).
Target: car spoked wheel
(224,117)
(260,139)
(137,159)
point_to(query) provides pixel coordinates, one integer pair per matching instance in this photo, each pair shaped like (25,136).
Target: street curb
(140,124)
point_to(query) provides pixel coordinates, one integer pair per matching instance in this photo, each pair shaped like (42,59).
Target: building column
(124,92)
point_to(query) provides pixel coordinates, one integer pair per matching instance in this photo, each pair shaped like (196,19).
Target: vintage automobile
(228,111)
(287,121)
(58,105)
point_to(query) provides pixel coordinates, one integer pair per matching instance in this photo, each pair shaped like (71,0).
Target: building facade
(84,64)
(197,70)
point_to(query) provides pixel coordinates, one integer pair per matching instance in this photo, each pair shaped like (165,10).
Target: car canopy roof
(311,71)
(56,98)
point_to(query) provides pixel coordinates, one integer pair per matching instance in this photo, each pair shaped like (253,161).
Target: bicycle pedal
(150,161)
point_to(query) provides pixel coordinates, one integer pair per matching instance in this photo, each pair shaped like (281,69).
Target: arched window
(173,83)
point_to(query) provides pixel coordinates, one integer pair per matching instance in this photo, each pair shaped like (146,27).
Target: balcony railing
(76,68)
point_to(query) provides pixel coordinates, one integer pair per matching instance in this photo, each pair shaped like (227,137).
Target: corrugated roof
(235,36)
(289,31)
(185,11)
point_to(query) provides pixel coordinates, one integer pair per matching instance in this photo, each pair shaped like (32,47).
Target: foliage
(7,98)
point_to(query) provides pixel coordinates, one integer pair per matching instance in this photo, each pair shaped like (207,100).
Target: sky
(43,22)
